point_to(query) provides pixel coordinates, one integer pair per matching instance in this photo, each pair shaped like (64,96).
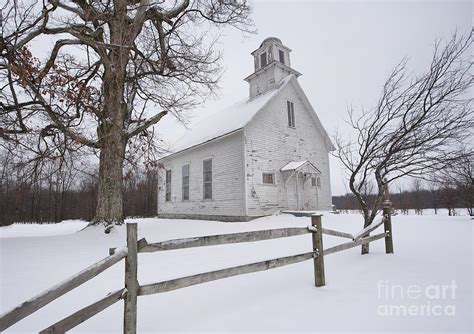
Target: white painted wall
(270,144)
(228,179)
(265,144)
(263,81)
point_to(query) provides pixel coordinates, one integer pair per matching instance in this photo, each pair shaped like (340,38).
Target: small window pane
(168,185)
(313,181)
(281,55)
(186,170)
(185,181)
(207,192)
(263,59)
(268,178)
(207,165)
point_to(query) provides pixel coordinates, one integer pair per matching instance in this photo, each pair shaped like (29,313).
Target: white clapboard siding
(270,144)
(227,180)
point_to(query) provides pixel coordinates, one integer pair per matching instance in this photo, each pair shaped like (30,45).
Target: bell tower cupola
(271,65)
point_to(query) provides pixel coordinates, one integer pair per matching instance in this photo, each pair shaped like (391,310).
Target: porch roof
(299,165)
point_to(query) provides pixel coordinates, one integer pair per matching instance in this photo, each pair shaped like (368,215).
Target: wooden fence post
(387,212)
(131,283)
(318,260)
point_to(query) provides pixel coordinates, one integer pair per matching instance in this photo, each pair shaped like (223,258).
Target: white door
(299,191)
(292,194)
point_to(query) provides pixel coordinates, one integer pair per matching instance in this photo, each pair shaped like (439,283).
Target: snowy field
(425,286)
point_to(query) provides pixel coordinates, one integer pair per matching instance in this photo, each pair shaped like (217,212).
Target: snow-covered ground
(429,276)
(42,230)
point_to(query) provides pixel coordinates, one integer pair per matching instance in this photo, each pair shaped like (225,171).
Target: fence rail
(353,244)
(183,282)
(32,305)
(365,232)
(132,288)
(85,313)
(221,239)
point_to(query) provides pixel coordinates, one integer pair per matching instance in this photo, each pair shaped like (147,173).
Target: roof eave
(202,143)
(273,63)
(327,140)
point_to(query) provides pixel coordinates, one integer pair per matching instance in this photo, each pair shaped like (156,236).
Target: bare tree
(458,178)
(463,173)
(449,198)
(417,196)
(64,189)
(402,199)
(414,125)
(116,68)
(433,188)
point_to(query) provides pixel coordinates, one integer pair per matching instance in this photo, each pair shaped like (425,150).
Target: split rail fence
(133,289)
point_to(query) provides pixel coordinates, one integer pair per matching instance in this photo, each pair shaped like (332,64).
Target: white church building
(262,155)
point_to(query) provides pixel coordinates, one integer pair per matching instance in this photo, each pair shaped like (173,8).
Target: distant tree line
(53,192)
(454,198)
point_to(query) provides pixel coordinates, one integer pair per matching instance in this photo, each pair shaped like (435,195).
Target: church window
(185,182)
(281,56)
(207,178)
(290,106)
(268,178)
(168,185)
(263,60)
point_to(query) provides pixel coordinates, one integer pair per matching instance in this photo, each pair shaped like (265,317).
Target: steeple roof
(271,39)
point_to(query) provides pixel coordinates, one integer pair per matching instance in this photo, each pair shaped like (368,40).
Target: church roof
(236,117)
(226,121)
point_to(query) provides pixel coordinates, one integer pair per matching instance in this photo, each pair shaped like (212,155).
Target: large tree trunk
(113,140)
(110,191)
(365,247)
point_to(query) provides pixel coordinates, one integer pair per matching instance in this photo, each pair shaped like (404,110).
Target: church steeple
(271,64)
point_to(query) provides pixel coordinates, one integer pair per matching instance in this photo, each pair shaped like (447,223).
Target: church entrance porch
(299,176)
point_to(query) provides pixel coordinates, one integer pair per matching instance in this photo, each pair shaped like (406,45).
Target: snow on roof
(297,165)
(293,165)
(226,121)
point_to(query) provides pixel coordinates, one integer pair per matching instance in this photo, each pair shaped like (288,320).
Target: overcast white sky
(344,49)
